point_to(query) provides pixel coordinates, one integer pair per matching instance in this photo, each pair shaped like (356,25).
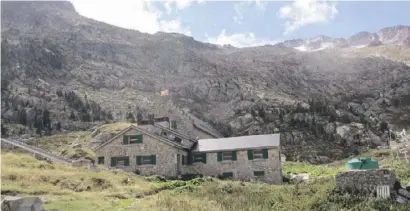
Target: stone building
(155,149)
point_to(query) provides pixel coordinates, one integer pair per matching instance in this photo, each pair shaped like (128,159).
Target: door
(178,164)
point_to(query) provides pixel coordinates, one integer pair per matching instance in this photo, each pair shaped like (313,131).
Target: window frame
(227,155)
(258,173)
(99,160)
(121,158)
(199,158)
(135,139)
(259,154)
(146,160)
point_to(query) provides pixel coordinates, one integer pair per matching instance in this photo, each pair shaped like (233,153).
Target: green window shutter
(174,124)
(138,160)
(113,162)
(125,139)
(204,157)
(139,138)
(127,161)
(190,159)
(227,174)
(258,173)
(250,155)
(233,155)
(153,159)
(265,154)
(219,156)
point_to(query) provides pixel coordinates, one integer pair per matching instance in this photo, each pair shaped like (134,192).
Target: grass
(69,188)
(240,196)
(115,127)
(62,144)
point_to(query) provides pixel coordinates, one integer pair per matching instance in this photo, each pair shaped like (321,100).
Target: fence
(383,191)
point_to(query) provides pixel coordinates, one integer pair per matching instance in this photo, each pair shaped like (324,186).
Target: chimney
(151,119)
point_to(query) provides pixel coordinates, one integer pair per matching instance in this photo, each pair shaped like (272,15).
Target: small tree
(383,126)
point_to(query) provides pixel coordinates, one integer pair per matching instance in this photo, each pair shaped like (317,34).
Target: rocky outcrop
(323,104)
(11,203)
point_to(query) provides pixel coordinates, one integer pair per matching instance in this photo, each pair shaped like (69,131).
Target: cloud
(243,7)
(141,15)
(179,4)
(304,12)
(174,26)
(238,40)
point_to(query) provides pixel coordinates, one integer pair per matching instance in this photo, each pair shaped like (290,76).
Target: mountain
(62,71)
(397,35)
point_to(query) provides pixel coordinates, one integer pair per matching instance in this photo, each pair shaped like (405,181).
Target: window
(184,160)
(135,139)
(179,140)
(174,124)
(132,139)
(227,174)
(148,159)
(258,173)
(120,161)
(100,160)
(229,155)
(258,154)
(200,157)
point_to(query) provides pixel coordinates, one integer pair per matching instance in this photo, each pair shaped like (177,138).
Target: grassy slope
(61,144)
(69,188)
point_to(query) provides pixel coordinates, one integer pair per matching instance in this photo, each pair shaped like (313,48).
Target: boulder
(376,140)
(11,203)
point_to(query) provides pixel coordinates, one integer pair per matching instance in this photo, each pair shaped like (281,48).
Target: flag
(164,92)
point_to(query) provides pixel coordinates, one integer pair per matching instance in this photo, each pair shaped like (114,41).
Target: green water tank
(362,164)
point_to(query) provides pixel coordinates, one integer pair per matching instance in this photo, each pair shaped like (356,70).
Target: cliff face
(327,104)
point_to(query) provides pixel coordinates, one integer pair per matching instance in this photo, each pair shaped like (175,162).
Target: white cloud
(174,26)
(179,4)
(243,7)
(238,40)
(304,12)
(140,15)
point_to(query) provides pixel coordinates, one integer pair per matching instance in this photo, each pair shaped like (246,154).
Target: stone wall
(365,180)
(242,168)
(166,155)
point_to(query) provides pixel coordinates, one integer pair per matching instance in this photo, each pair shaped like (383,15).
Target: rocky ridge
(327,104)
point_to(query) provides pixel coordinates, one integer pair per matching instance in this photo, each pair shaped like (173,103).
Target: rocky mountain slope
(396,35)
(66,71)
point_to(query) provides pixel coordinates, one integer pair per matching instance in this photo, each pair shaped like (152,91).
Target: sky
(248,23)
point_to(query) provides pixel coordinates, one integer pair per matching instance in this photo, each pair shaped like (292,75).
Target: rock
(76,145)
(376,140)
(10,203)
(103,137)
(356,108)
(330,128)
(82,163)
(304,177)
(95,132)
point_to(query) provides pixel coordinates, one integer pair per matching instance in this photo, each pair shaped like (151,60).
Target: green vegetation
(115,127)
(62,144)
(69,188)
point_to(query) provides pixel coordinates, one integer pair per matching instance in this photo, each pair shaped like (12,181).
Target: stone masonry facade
(172,161)
(166,155)
(365,180)
(242,168)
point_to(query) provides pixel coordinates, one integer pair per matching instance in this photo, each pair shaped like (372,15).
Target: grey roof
(241,142)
